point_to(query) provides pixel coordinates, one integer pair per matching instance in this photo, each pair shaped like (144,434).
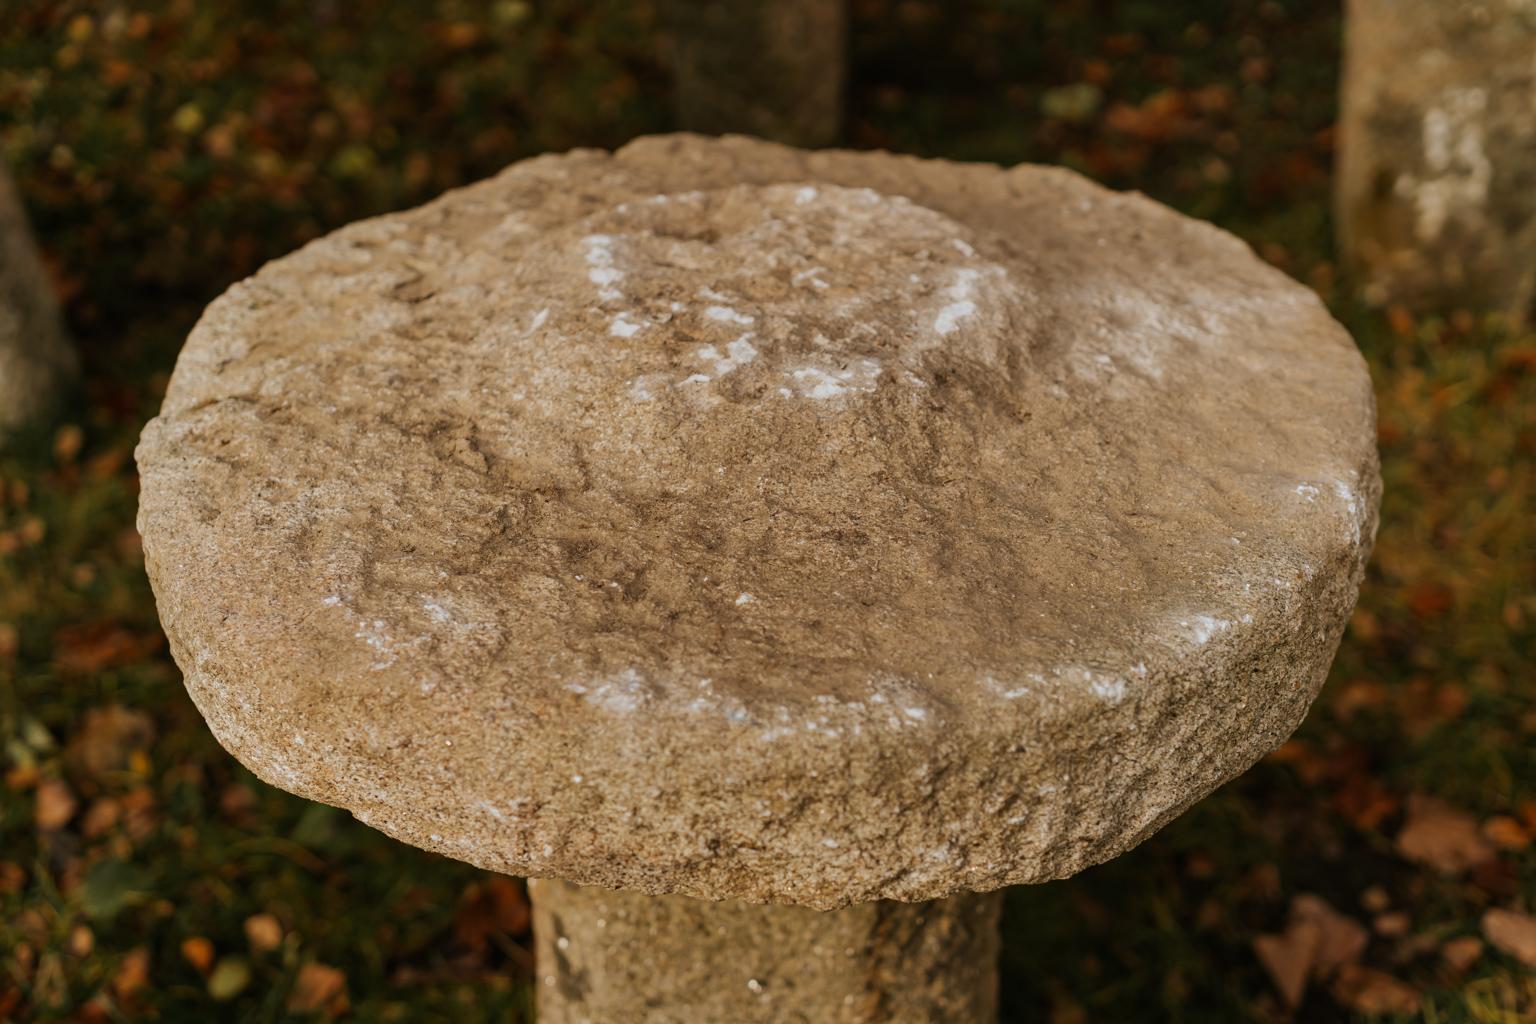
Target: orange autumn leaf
(55,805)
(92,647)
(198,951)
(132,974)
(495,906)
(1506,833)
(318,987)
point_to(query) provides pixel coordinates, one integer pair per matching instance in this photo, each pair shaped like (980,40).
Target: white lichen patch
(1346,494)
(1351,502)
(962,302)
(622,693)
(600,266)
(623,327)
(1014,689)
(858,376)
(738,353)
(375,633)
(810,276)
(1108,688)
(727,315)
(1203,627)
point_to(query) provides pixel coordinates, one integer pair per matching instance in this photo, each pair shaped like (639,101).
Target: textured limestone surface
(627,958)
(1437,168)
(722,519)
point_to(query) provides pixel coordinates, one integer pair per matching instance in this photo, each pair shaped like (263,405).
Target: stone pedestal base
(771,68)
(36,358)
(1436,201)
(609,957)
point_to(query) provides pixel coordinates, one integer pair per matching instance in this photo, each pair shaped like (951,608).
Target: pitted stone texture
(722,519)
(625,958)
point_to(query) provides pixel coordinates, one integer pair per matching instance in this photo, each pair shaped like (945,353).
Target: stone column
(608,957)
(1436,191)
(771,68)
(35,354)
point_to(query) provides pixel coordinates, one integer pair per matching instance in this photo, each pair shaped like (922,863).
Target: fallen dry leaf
(1512,932)
(1367,990)
(101,817)
(318,987)
(132,974)
(495,906)
(55,805)
(1288,958)
(198,952)
(1376,899)
(13,877)
(1341,938)
(1461,953)
(1365,801)
(67,443)
(1442,837)
(1317,942)
(107,737)
(1506,833)
(264,932)
(140,816)
(89,648)
(81,940)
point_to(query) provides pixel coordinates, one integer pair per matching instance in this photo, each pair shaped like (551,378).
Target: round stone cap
(718,518)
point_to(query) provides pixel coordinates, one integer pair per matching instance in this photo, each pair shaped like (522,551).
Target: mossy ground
(166,148)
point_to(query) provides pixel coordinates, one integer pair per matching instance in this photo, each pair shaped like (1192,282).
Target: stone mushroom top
(718,518)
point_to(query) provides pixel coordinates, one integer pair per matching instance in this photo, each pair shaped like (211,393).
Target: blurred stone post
(1436,190)
(35,354)
(770,68)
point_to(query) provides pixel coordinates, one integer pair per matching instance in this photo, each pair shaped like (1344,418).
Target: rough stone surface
(35,354)
(721,519)
(1437,169)
(625,958)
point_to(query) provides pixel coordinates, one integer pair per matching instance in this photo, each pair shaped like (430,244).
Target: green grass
(166,149)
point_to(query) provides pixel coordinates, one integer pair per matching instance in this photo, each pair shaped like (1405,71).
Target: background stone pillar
(35,355)
(626,958)
(770,68)
(1436,200)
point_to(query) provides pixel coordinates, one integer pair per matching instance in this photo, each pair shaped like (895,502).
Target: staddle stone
(718,519)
